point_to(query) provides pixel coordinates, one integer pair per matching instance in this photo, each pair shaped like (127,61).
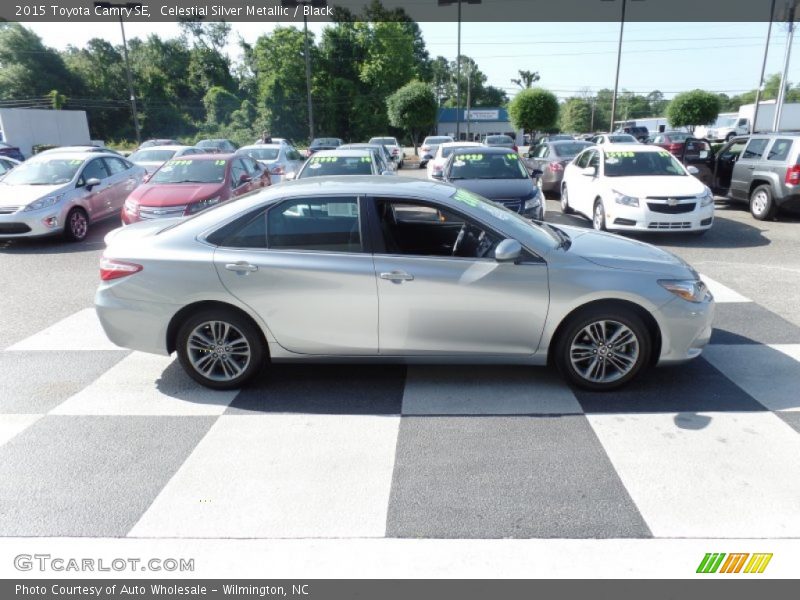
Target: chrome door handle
(397,276)
(241,267)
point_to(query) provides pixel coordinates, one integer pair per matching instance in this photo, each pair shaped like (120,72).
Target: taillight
(674,148)
(514,147)
(277,170)
(115,269)
(793,175)
(556,166)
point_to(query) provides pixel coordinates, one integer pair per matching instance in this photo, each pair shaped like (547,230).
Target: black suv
(640,133)
(763,170)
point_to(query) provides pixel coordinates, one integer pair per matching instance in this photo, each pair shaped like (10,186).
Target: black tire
(76,227)
(565,207)
(599,220)
(573,332)
(219,378)
(762,205)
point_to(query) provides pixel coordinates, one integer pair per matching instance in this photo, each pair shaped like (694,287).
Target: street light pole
(469,79)
(619,60)
(763,67)
(458,78)
(776,122)
(131,94)
(308,83)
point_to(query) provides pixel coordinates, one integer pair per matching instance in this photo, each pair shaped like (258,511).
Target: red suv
(189,184)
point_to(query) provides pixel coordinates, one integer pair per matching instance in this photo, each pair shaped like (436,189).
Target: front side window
(755,149)
(583,160)
(320,224)
(94,170)
(238,171)
(116,165)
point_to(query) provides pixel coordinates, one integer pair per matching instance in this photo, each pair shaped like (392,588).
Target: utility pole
(776,123)
(308,82)
(619,60)
(469,105)
(763,67)
(458,78)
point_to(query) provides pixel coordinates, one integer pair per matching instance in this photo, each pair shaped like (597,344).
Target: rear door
(742,175)
(304,267)
(724,162)
(121,182)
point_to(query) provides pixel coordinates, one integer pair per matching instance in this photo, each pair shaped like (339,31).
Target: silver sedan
(394,269)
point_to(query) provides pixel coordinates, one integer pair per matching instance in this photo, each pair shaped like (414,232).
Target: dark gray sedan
(550,158)
(497,174)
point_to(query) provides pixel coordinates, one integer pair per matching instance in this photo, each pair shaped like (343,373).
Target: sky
(671,57)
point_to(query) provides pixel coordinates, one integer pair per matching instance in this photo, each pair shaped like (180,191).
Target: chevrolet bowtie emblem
(672,201)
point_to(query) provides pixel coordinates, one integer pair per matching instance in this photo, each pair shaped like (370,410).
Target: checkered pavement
(99,441)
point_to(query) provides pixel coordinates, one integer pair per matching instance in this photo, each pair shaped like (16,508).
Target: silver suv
(763,170)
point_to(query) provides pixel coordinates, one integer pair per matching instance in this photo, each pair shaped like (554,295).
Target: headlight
(44,202)
(691,290)
(131,206)
(202,205)
(707,198)
(625,200)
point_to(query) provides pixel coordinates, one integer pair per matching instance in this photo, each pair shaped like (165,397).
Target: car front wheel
(220,349)
(565,207)
(76,227)
(599,216)
(603,348)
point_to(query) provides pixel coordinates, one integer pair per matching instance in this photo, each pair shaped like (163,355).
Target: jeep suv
(763,170)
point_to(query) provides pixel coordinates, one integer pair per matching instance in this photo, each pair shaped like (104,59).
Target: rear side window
(320,224)
(755,149)
(780,150)
(249,231)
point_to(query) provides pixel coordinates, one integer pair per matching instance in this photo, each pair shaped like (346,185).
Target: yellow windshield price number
(324,159)
(220,163)
(182,163)
(627,154)
(470,157)
(366,159)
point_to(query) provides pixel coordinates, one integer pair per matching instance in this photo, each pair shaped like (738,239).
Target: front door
(725,161)
(303,268)
(97,197)
(742,175)
(441,292)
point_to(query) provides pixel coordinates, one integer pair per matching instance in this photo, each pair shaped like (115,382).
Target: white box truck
(29,127)
(730,126)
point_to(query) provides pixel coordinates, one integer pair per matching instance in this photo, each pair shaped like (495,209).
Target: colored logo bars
(713,563)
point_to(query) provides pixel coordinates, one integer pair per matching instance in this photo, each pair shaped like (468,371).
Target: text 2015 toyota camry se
(393,269)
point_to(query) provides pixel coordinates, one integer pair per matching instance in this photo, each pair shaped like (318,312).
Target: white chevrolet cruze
(634,187)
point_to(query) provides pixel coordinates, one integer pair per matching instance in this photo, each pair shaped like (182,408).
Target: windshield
(448,150)
(437,140)
(519,226)
(622,139)
(384,141)
(337,165)
(44,172)
(726,121)
(151,155)
(487,166)
(210,144)
(568,150)
(642,164)
(186,170)
(262,153)
(499,139)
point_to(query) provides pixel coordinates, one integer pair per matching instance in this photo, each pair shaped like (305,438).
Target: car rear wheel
(762,206)
(603,348)
(565,207)
(220,349)
(599,216)
(76,227)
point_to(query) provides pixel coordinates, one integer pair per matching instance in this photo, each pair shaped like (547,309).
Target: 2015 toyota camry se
(393,269)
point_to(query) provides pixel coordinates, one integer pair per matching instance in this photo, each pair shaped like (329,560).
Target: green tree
(693,108)
(534,110)
(412,108)
(57,99)
(220,105)
(526,79)
(575,115)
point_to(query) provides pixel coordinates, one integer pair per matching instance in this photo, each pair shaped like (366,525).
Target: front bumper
(620,217)
(685,329)
(34,223)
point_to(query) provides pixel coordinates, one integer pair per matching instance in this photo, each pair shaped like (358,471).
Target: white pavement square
(770,374)
(12,425)
(722,293)
(707,475)
(146,384)
(477,390)
(79,331)
(281,476)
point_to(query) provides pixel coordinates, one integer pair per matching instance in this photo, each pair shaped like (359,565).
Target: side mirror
(90,183)
(508,251)
(536,173)
(146,177)
(693,170)
(245,179)
(589,171)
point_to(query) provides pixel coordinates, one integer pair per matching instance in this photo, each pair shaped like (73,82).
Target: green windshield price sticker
(75,162)
(366,159)
(219,162)
(512,156)
(663,153)
(465,197)
(324,159)
(470,156)
(620,154)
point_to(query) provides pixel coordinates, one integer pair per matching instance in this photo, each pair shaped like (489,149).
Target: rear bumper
(133,324)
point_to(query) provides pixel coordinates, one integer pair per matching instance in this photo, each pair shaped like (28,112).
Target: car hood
(497,188)
(22,195)
(641,187)
(617,252)
(174,194)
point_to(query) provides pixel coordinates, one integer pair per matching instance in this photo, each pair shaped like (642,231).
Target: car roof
(260,147)
(383,137)
(165,147)
(462,144)
(484,150)
(338,152)
(211,156)
(76,155)
(631,148)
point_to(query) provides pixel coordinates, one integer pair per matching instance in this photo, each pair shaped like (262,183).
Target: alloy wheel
(604,351)
(78,224)
(760,202)
(218,351)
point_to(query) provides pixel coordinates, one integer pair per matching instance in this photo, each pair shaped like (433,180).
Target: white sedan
(435,165)
(635,187)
